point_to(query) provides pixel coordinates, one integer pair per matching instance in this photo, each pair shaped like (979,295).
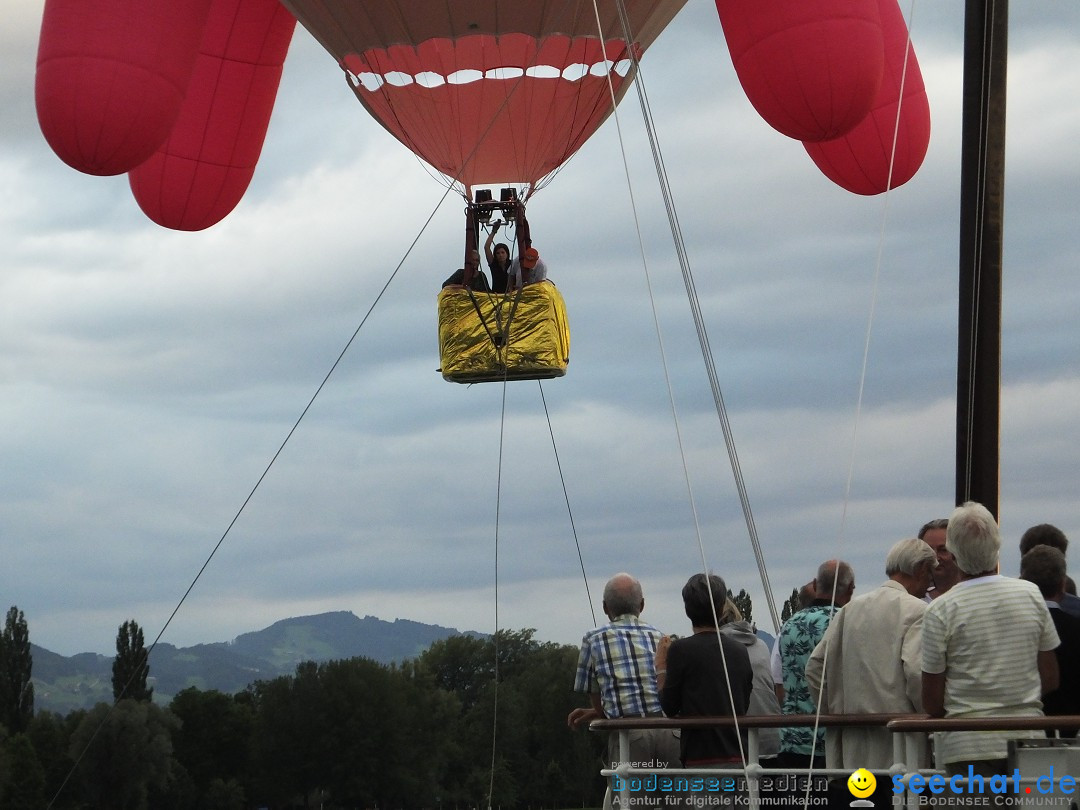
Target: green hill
(62,684)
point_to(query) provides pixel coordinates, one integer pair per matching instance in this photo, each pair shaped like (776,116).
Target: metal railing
(909,737)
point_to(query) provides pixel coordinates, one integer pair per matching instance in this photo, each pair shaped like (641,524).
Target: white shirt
(874,666)
(537,273)
(985,634)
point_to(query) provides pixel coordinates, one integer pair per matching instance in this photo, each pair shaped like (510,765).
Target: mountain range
(65,683)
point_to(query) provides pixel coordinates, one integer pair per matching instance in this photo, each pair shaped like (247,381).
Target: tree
(124,751)
(131,667)
(25,788)
(744,603)
(212,743)
(16,689)
(792,606)
(290,730)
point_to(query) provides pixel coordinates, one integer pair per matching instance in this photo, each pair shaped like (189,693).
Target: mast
(982,195)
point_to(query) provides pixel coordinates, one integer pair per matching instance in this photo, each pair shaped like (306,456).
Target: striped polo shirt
(985,634)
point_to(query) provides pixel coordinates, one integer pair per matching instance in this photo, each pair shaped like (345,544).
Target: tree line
(470,717)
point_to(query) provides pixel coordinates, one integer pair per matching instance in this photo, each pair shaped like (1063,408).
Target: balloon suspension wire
(874,292)
(699,322)
(660,340)
(498,512)
(566,497)
(251,494)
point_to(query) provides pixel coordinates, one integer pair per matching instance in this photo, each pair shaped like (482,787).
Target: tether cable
(699,321)
(566,497)
(251,494)
(664,363)
(498,511)
(875,289)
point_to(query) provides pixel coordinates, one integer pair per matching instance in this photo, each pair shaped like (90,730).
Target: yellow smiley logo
(861,783)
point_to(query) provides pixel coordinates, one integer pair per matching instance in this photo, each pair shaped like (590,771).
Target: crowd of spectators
(945,635)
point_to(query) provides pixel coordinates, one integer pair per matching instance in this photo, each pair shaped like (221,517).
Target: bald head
(835,575)
(622,595)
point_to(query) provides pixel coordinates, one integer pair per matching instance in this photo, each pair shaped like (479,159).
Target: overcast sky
(147,377)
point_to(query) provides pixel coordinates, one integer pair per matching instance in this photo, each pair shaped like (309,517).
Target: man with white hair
(870,658)
(988,649)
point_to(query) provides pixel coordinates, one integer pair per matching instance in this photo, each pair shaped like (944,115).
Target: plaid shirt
(616,661)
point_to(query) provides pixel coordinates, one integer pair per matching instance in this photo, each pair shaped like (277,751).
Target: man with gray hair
(616,667)
(870,659)
(988,649)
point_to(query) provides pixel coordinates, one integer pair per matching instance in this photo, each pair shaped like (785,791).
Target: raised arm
(490,240)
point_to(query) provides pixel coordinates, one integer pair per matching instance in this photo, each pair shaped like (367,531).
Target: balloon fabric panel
(486,111)
(111,77)
(487,91)
(200,174)
(810,68)
(860,161)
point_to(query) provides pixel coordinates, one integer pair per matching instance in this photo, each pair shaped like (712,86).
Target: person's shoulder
(734,647)
(1066,620)
(939,607)
(635,623)
(822,613)
(808,620)
(1018,586)
(1070,603)
(682,643)
(1068,629)
(597,632)
(991,590)
(908,602)
(912,605)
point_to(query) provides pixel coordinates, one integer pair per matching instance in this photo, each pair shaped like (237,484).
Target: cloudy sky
(147,377)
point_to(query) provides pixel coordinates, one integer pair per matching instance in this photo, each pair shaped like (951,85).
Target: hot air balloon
(488,92)
(491,93)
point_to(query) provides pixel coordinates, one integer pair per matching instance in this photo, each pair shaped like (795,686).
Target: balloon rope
(656,319)
(875,289)
(258,483)
(566,497)
(699,324)
(498,509)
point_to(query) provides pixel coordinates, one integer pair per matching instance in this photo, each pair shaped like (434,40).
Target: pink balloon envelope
(811,68)
(201,172)
(111,76)
(861,160)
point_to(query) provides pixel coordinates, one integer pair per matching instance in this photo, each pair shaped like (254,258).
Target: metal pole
(982,194)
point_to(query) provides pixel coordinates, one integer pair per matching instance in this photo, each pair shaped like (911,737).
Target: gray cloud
(147,377)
